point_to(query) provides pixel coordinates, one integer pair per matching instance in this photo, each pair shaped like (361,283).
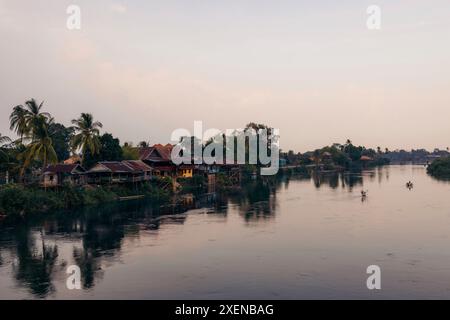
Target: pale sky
(310,68)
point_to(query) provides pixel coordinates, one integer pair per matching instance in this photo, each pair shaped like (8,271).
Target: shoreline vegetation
(440,168)
(52,167)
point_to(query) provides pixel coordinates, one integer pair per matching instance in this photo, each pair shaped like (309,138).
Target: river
(298,238)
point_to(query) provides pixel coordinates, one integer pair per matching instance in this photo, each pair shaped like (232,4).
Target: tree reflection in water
(336,179)
(93,237)
(35,263)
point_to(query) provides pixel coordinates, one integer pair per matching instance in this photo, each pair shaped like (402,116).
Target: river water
(297,238)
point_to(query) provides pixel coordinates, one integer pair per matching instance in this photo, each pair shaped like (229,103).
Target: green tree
(130,152)
(41,146)
(61,137)
(18,121)
(3,154)
(110,150)
(86,135)
(24,120)
(143,144)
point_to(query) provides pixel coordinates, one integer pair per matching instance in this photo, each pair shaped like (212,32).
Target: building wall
(185,173)
(50,180)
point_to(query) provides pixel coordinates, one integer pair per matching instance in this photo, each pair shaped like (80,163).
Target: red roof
(73,160)
(158,152)
(145,152)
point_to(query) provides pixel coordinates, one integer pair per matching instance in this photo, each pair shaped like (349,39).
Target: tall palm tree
(18,121)
(87,135)
(41,145)
(24,119)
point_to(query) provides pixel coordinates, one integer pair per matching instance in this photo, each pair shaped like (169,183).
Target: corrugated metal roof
(64,168)
(114,166)
(137,165)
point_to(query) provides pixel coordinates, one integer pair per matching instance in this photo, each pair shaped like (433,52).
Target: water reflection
(35,262)
(343,180)
(36,251)
(98,233)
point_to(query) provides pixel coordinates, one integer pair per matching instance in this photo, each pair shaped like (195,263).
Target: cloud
(118,8)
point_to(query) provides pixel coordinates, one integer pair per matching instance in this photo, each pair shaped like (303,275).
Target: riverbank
(20,200)
(440,168)
(17,199)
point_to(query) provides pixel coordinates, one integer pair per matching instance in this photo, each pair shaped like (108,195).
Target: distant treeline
(346,156)
(416,156)
(349,155)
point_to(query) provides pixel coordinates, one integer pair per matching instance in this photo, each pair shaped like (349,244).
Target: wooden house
(159,158)
(59,174)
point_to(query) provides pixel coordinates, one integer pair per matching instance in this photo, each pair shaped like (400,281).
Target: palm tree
(143,144)
(41,145)
(3,140)
(24,119)
(87,132)
(18,121)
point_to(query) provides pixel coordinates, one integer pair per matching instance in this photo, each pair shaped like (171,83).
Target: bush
(98,195)
(15,199)
(440,168)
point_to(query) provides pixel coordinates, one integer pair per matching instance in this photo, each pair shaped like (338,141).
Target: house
(109,172)
(58,174)
(119,172)
(142,171)
(159,158)
(75,159)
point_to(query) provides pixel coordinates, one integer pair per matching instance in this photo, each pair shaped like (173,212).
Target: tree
(130,152)
(41,146)
(143,144)
(61,137)
(440,168)
(18,121)
(110,150)
(24,120)
(87,135)
(4,140)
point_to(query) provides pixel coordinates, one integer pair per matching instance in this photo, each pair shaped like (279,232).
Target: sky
(312,69)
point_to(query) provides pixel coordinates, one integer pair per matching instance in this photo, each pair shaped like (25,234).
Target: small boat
(131,198)
(363,193)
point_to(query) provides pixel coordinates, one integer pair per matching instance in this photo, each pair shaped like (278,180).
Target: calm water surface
(297,238)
